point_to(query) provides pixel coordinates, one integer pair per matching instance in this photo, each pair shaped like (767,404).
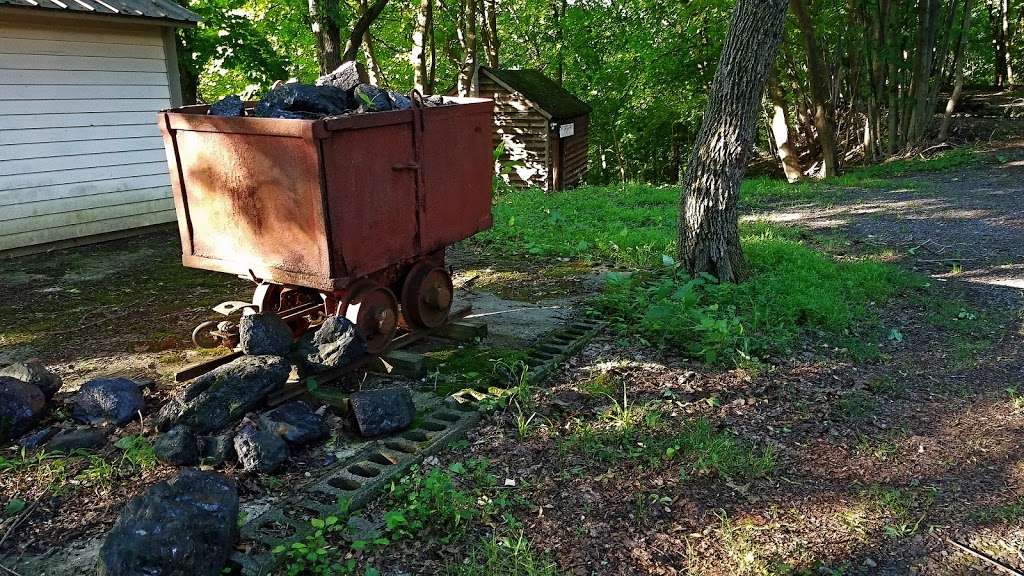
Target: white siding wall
(80,151)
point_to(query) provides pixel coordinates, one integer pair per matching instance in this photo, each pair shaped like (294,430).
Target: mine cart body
(320,203)
(350,211)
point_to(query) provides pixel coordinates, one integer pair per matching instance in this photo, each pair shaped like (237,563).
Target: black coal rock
(219,398)
(21,406)
(369,98)
(78,439)
(303,101)
(335,344)
(262,334)
(230,106)
(33,372)
(259,450)
(380,412)
(296,422)
(347,76)
(177,447)
(107,400)
(184,526)
(216,450)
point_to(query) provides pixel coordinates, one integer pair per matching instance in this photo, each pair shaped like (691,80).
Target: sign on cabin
(566,130)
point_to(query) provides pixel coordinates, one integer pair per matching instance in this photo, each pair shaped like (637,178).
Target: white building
(81,81)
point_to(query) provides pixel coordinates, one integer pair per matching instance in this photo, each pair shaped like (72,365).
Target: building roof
(166,10)
(541,90)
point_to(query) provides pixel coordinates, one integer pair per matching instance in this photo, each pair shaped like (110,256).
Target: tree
(423,30)
(817,73)
(782,132)
(322,14)
(360,27)
(958,74)
(709,239)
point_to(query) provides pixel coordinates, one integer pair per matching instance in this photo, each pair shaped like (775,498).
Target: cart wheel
(374,311)
(203,337)
(426,296)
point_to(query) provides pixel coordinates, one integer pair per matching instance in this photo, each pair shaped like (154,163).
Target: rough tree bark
(362,24)
(467,71)
(818,79)
(709,239)
(958,79)
(920,113)
(418,54)
(782,131)
(327,34)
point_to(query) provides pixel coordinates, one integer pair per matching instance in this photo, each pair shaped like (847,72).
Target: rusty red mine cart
(345,215)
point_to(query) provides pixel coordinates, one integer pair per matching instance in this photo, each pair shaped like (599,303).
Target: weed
(855,406)
(469,367)
(1012,512)
(509,555)
(316,553)
(1016,399)
(602,384)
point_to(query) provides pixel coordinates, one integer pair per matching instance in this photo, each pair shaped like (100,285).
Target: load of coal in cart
(344,91)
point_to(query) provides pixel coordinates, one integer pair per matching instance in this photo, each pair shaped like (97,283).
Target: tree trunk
(418,54)
(373,69)
(781,131)
(958,81)
(818,80)
(362,24)
(327,34)
(467,71)
(999,20)
(919,88)
(491,32)
(709,239)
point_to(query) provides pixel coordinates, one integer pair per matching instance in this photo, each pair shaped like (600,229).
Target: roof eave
(97,16)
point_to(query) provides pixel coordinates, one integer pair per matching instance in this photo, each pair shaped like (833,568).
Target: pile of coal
(344,91)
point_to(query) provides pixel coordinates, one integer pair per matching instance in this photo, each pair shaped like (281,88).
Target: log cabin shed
(543,126)
(81,81)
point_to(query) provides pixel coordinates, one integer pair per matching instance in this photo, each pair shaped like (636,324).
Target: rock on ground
(222,396)
(216,450)
(21,406)
(264,334)
(78,439)
(37,438)
(184,526)
(177,447)
(347,76)
(33,372)
(259,450)
(335,344)
(295,422)
(380,412)
(107,400)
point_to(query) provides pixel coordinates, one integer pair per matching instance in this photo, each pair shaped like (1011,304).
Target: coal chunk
(263,334)
(380,412)
(295,422)
(335,344)
(435,101)
(33,372)
(21,406)
(216,450)
(177,447)
(347,76)
(229,106)
(369,98)
(219,398)
(107,400)
(37,438)
(78,439)
(399,101)
(184,526)
(303,101)
(259,450)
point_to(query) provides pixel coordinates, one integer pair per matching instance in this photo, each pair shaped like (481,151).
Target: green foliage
(509,555)
(793,291)
(697,448)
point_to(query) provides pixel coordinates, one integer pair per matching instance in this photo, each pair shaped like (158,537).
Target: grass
(509,555)
(638,434)
(793,289)
(471,366)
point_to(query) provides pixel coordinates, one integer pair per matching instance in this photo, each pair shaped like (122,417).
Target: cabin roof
(558,102)
(165,10)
